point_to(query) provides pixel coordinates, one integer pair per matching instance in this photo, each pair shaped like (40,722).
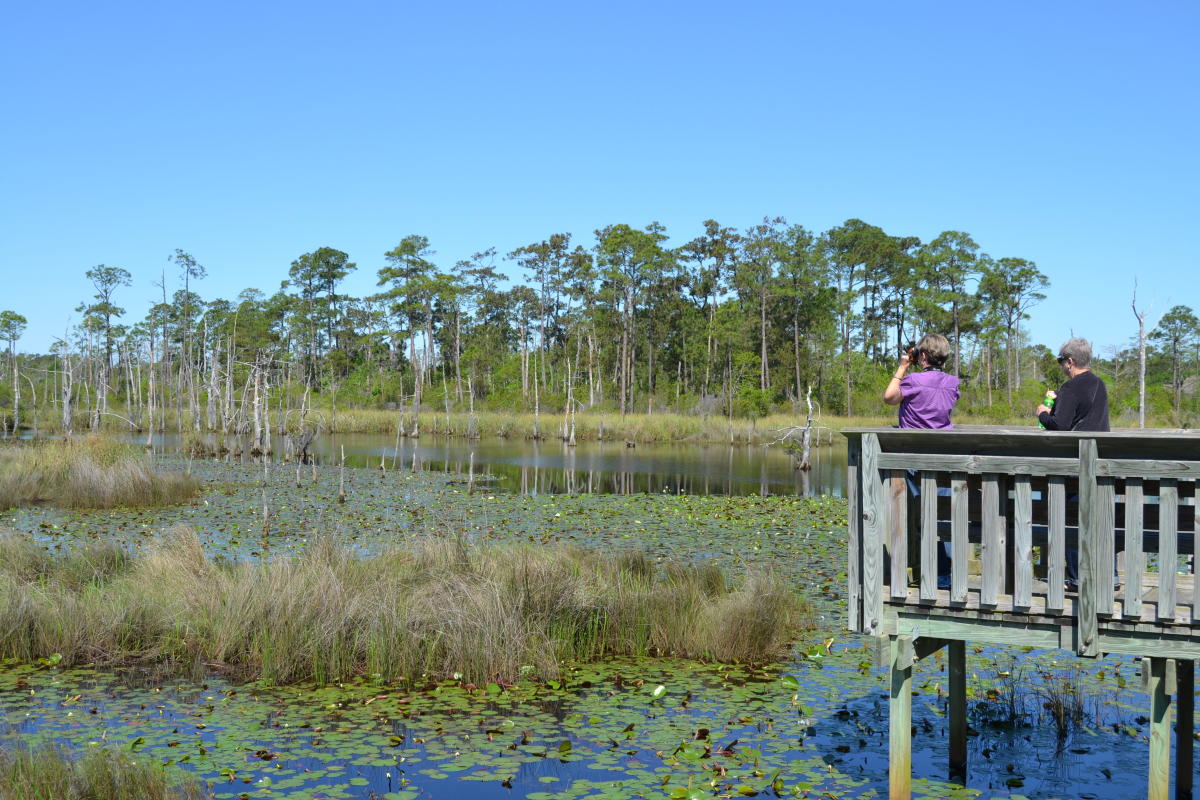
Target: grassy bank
(432,610)
(86,473)
(50,774)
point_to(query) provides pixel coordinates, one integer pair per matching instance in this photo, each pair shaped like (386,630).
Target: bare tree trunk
(68,380)
(536,408)
(1141,318)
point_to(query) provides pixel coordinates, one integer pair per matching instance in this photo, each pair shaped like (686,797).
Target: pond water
(816,723)
(551,467)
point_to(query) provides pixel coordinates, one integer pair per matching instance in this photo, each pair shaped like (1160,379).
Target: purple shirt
(927,399)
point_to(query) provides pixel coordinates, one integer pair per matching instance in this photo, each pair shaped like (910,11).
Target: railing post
(854,491)
(1088,644)
(872,537)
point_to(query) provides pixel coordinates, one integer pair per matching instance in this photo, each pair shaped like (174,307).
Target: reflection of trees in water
(611,469)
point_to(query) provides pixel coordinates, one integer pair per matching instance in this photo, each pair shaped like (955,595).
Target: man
(1081,403)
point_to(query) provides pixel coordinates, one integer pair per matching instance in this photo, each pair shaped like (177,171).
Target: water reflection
(551,467)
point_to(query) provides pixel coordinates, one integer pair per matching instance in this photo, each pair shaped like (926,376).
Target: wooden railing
(1014,505)
(1024,501)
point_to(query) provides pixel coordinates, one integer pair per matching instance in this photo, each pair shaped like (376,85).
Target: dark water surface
(551,467)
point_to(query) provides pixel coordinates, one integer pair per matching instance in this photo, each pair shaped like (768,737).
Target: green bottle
(1047,401)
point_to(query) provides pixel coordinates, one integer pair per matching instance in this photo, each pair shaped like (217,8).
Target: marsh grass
(92,472)
(432,610)
(51,774)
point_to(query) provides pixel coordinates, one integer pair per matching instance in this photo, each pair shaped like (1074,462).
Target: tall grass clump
(431,610)
(51,774)
(92,472)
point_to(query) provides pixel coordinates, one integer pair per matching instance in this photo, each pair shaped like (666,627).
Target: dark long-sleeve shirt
(1081,405)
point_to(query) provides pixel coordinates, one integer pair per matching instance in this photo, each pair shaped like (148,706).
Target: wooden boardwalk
(1060,540)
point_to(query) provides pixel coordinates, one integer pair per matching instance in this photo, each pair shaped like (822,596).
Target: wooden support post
(900,720)
(1185,702)
(956,666)
(1160,730)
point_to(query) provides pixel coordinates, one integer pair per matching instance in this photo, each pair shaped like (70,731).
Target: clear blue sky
(249,133)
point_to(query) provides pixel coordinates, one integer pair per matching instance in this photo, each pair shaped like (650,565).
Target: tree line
(733,322)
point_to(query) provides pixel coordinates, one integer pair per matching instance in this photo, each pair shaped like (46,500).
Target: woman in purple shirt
(926,398)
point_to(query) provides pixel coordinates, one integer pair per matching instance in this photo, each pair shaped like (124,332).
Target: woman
(926,398)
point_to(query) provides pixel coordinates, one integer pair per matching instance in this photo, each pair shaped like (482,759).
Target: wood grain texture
(1135,554)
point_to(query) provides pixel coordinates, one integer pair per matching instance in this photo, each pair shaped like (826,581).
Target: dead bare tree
(1141,318)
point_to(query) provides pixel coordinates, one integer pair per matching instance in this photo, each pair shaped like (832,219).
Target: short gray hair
(1078,350)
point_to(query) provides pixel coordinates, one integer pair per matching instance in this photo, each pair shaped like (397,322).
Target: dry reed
(92,472)
(51,774)
(435,609)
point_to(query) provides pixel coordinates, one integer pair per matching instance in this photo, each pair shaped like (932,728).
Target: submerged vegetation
(434,609)
(52,774)
(92,472)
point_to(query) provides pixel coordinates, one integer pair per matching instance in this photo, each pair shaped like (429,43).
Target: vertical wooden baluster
(1056,524)
(1168,546)
(1022,543)
(1089,630)
(855,524)
(960,543)
(1135,554)
(898,533)
(1105,547)
(929,536)
(993,549)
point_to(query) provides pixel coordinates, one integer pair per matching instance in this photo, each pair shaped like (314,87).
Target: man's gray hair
(1078,350)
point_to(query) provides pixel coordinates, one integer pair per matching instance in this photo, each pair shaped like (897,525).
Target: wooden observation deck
(1014,507)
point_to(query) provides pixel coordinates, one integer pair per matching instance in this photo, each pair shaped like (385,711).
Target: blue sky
(247,134)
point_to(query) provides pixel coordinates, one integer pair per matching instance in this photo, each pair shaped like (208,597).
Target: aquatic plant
(92,472)
(437,608)
(52,774)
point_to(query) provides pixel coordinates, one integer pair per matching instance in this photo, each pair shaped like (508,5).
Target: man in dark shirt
(1081,403)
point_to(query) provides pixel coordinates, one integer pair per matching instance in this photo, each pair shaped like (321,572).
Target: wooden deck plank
(978,465)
